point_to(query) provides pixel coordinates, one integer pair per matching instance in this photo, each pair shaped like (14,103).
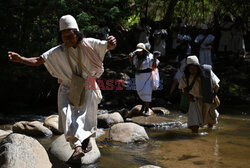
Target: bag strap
(189,87)
(70,62)
(81,66)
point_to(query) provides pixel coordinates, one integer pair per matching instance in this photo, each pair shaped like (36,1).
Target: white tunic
(78,122)
(225,37)
(205,56)
(159,42)
(144,81)
(144,35)
(238,45)
(199,113)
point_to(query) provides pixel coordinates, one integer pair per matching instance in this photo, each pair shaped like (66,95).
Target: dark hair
(187,73)
(79,36)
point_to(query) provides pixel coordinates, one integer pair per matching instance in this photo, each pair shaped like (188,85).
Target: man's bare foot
(195,129)
(78,153)
(86,145)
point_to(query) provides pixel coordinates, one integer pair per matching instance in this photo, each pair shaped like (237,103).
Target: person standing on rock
(200,85)
(72,62)
(146,74)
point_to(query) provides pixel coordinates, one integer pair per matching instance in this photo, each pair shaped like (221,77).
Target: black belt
(144,70)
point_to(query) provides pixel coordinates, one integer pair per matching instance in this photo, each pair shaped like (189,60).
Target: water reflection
(173,145)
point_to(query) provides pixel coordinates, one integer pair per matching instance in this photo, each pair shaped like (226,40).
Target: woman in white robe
(199,112)
(205,41)
(144,63)
(77,123)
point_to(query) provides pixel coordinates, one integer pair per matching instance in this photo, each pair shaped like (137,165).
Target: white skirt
(78,122)
(144,86)
(200,114)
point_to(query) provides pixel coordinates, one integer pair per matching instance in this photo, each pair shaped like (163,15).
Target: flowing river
(226,145)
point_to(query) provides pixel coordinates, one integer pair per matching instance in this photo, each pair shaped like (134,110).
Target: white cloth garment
(205,56)
(144,35)
(159,42)
(225,37)
(200,113)
(144,81)
(238,45)
(180,70)
(76,122)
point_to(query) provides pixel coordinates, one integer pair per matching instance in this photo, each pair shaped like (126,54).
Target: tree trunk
(169,14)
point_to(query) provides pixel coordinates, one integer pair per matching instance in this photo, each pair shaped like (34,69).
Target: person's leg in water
(210,126)
(195,128)
(147,104)
(173,86)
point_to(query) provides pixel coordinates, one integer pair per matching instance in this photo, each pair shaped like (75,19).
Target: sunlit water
(226,145)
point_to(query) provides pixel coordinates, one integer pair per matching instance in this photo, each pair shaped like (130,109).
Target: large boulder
(18,150)
(3,133)
(151,121)
(108,120)
(60,151)
(51,122)
(128,133)
(34,128)
(136,111)
(101,134)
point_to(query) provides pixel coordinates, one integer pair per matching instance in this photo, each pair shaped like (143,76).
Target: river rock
(149,166)
(108,120)
(151,121)
(128,133)
(34,128)
(18,150)
(136,111)
(60,151)
(101,134)
(51,122)
(160,110)
(3,133)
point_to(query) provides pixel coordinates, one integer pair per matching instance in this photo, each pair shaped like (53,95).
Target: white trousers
(77,123)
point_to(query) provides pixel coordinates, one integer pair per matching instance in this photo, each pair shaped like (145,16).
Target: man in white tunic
(205,41)
(200,85)
(159,41)
(77,122)
(146,73)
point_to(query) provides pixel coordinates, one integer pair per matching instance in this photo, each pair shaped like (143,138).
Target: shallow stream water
(226,145)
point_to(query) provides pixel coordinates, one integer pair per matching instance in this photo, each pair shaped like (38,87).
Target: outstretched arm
(33,61)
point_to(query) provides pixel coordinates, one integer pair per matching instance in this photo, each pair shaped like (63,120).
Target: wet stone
(151,121)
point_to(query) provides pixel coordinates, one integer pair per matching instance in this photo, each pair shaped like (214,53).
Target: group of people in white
(78,58)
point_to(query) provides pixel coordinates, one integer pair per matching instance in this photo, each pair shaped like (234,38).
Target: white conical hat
(68,22)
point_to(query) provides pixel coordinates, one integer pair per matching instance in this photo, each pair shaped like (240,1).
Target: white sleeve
(100,46)
(197,39)
(51,60)
(151,57)
(215,79)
